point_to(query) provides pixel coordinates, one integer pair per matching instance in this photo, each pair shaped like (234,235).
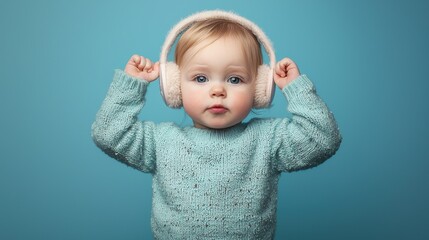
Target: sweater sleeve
(116,129)
(311,136)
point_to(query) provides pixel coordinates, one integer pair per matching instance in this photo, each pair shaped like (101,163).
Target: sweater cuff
(300,84)
(125,82)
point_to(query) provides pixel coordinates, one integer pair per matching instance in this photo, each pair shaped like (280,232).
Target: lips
(217,109)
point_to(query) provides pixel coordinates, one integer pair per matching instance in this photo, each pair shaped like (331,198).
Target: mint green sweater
(215,184)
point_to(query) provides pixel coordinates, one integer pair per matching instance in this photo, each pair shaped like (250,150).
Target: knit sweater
(215,184)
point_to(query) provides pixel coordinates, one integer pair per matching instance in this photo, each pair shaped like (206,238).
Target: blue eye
(234,80)
(200,79)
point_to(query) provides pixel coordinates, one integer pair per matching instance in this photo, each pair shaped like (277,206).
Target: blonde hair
(214,29)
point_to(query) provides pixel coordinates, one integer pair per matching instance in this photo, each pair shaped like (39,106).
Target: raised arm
(312,135)
(116,129)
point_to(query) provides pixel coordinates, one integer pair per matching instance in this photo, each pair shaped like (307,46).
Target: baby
(218,178)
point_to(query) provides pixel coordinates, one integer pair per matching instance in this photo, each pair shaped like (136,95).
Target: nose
(218,90)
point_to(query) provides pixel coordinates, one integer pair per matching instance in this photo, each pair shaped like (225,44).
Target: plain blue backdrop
(367,58)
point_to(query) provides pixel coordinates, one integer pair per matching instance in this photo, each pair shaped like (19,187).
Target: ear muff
(170,73)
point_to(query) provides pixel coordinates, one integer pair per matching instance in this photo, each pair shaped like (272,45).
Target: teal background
(368,60)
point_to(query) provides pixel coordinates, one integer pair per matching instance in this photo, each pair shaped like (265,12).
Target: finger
(291,67)
(148,65)
(134,60)
(156,67)
(142,63)
(280,70)
(154,73)
(289,64)
(285,63)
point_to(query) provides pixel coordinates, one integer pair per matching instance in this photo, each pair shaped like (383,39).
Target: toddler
(218,178)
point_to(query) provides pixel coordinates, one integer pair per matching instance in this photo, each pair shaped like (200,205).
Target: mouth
(217,109)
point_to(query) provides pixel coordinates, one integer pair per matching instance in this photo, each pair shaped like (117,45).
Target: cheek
(191,99)
(243,101)
(190,104)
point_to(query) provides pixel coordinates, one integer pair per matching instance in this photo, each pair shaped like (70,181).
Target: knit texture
(215,184)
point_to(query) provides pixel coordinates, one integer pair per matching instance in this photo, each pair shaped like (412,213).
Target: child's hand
(143,68)
(285,72)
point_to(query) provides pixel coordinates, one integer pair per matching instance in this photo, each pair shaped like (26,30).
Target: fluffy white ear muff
(172,90)
(262,99)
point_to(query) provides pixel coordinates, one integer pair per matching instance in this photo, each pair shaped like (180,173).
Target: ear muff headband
(216,14)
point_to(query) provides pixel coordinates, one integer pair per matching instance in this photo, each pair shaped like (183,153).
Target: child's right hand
(142,68)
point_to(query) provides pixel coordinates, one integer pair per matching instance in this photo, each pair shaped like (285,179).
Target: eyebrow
(240,67)
(198,66)
(229,67)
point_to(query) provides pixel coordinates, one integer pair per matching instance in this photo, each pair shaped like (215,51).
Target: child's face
(217,88)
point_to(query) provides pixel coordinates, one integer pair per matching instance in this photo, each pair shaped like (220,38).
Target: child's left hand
(285,72)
